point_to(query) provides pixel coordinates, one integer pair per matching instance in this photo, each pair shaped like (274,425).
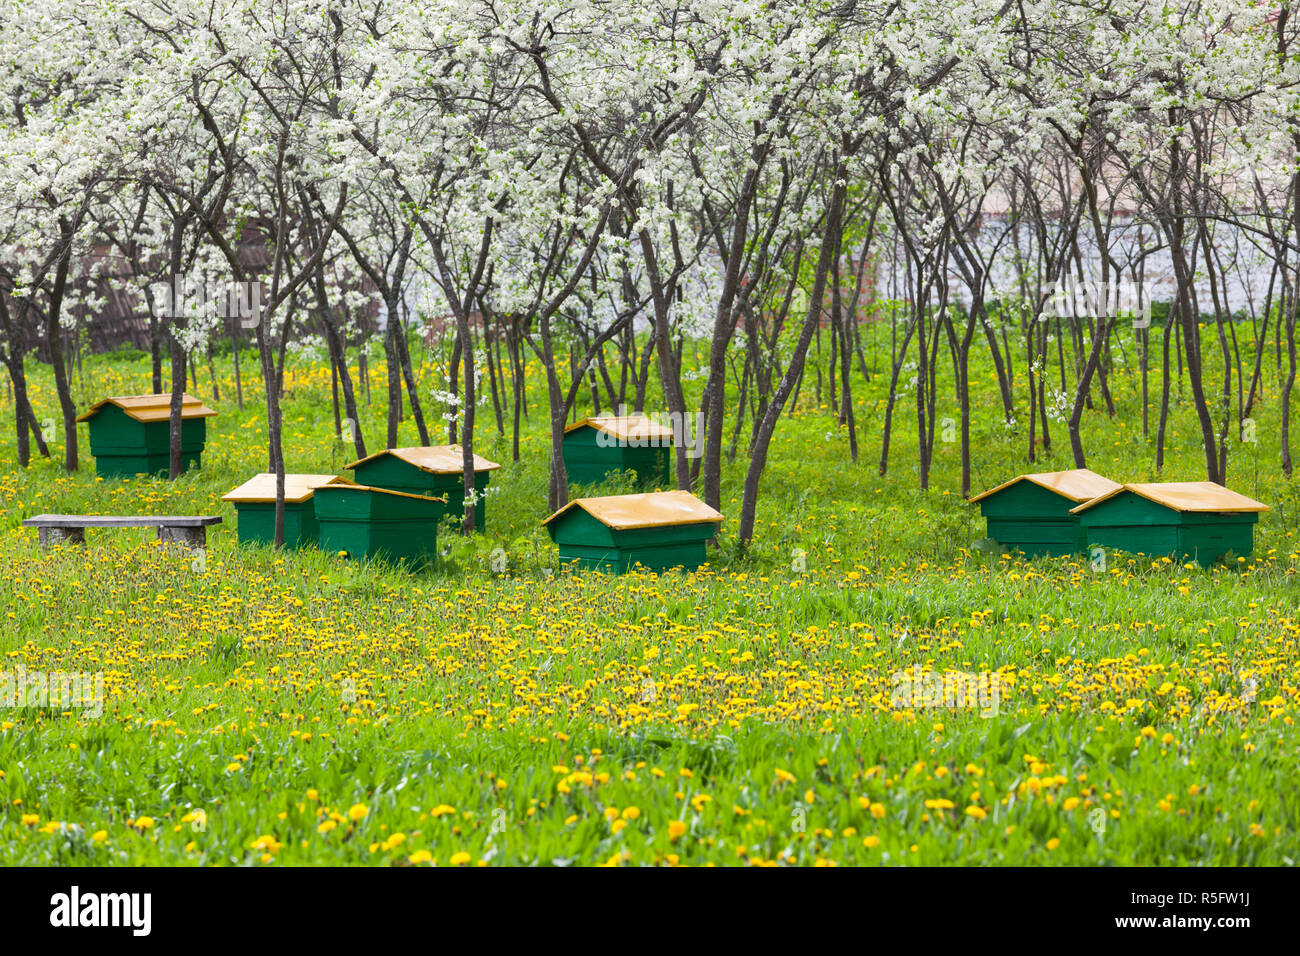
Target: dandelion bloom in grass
(871,842)
(977,813)
(420,856)
(358,811)
(460,858)
(266,842)
(675,829)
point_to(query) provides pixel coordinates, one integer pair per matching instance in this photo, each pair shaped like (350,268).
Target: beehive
(1032,512)
(658,530)
(368,522)
(1191,520)
(595,447)
(432,470)
(254,503)
(130,435)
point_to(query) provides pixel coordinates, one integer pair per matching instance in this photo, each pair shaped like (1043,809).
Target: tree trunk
(763,439)
(54,338)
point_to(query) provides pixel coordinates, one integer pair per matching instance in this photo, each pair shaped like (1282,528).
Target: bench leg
(52,536)
(190,537)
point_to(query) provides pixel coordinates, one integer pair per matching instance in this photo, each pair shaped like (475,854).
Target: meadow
(281,708)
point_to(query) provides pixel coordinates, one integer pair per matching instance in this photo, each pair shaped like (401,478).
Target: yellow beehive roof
(352,485)
(151,408)
(654,509)
(436,459)
(260,489)
(1078,484)
(1185,496)
(625,428)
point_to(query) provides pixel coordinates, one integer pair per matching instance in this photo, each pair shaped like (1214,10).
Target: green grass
(516,717)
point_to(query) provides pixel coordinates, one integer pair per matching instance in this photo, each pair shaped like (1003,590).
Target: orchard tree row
(590,184)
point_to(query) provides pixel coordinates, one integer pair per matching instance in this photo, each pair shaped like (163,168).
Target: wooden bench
(189,530)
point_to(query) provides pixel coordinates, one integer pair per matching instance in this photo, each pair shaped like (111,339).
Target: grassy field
(268,708)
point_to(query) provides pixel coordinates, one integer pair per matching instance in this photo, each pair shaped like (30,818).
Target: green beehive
(594,447)
(431,470)
(1032,512)
(254,503)
(1190,520)
(659,530)
(366,522)
(130,435)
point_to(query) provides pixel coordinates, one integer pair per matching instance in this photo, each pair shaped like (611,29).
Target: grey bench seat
(190,530)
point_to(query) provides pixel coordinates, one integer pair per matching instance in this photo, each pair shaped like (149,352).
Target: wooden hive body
(366,522)
(432,471)
(254,503)
(656,531)
(1191,521)
(1032,513)
(132,435)
(594,448)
